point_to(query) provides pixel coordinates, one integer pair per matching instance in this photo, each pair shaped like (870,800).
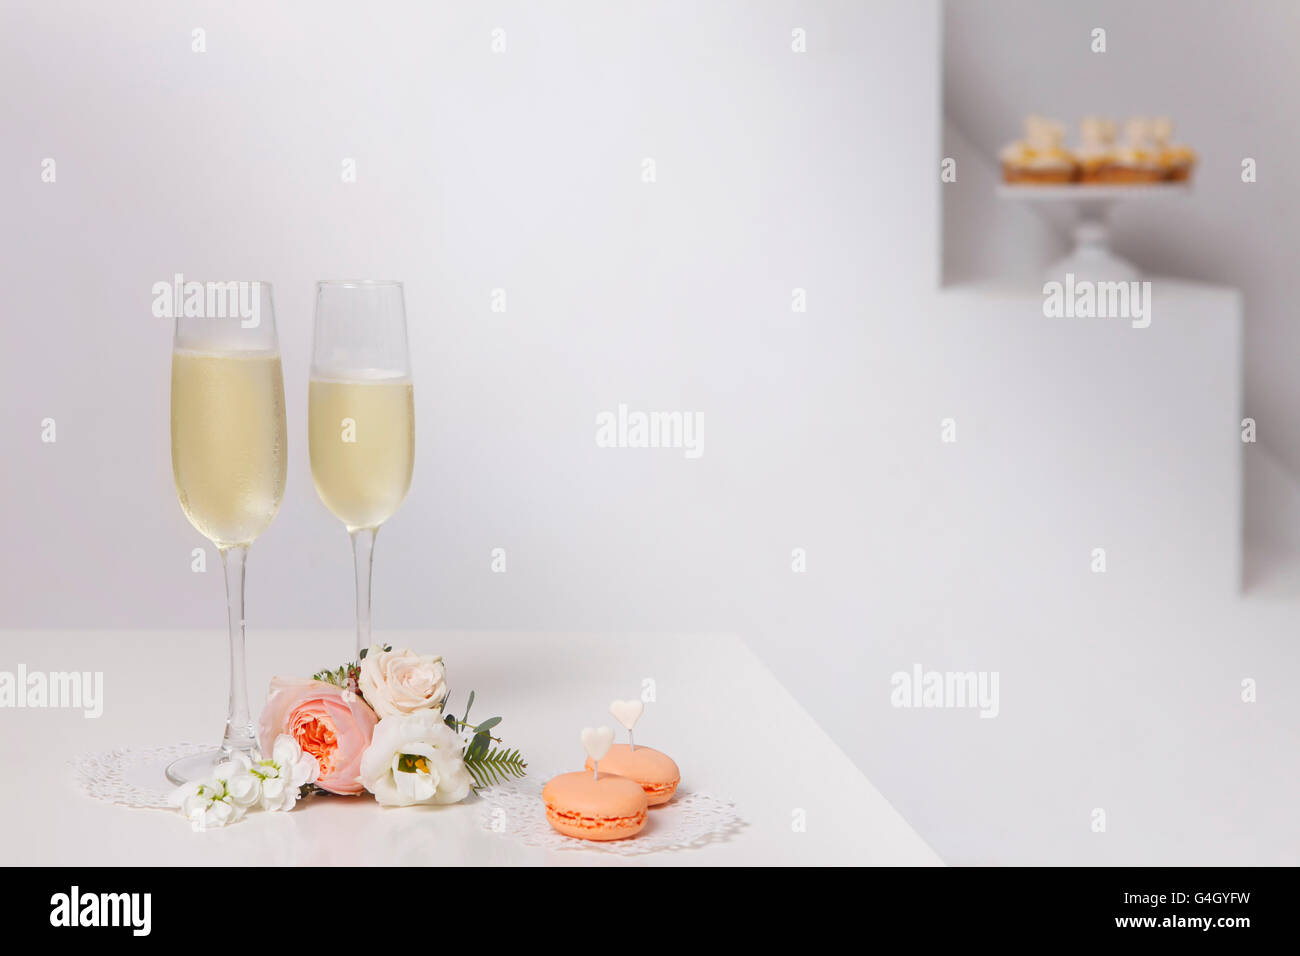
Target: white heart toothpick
(597,743)
(627,713)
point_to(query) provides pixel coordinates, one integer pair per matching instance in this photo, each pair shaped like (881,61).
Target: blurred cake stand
(1092,257)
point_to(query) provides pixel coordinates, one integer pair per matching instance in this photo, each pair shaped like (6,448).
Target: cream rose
(398,683)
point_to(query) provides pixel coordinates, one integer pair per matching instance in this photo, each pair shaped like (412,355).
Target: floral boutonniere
(377,725)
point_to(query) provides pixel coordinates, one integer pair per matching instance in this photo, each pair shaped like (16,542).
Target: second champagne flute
(361,415)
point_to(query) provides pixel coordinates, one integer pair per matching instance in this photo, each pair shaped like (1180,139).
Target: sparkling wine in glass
(361,415)
(228,461)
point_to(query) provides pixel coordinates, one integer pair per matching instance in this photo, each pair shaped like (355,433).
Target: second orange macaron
(655,771)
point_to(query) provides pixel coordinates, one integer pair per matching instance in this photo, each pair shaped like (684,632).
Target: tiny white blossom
(223,798)
(284,774)
(245,789)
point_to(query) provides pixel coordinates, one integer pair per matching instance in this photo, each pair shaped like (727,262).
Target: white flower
(396,683)
(415,759)
(284,774)
(222,798)
(243,789)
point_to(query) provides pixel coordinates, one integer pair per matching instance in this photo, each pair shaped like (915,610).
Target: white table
(733,729)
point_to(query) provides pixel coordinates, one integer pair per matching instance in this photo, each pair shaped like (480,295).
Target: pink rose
(332,724)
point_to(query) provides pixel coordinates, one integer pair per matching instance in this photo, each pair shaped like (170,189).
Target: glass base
(198,767)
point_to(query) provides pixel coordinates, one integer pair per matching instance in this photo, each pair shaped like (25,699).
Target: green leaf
(487,724)
(478,746)
(450,721)
(338,677)
(468,704)
(363,652)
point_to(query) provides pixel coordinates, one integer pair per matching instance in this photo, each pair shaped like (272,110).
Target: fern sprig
(494,765)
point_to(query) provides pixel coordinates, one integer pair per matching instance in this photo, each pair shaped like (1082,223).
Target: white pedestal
(1084,433)
(1092,257)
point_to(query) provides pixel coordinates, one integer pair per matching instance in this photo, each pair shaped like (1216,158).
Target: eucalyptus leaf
(487,724)
(478,746)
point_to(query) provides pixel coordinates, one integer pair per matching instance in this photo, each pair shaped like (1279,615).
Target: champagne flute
(228,461)
(361,415)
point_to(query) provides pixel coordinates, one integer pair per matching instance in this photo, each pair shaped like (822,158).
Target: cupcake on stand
(1176,161)
(1096,149)
(1137,161)
(1041,157)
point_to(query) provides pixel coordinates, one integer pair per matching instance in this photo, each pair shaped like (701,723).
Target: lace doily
(134,777)
(131,776)
(690,820)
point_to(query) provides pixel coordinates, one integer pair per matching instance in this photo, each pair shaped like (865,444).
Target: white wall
(1228,75)
(477,170)
(984,236)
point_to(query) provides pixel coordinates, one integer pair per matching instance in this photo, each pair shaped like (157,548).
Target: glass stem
(239,735)
(363,554)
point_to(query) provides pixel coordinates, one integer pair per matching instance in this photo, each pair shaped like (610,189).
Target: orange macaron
(654,771)
(595,807)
